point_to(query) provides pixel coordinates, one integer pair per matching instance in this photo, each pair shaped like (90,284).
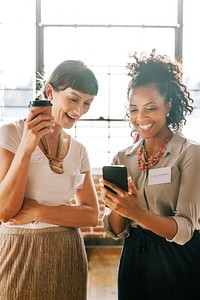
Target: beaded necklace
(55,163)
(149,161)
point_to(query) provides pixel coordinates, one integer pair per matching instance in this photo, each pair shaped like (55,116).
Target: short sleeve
(9,137)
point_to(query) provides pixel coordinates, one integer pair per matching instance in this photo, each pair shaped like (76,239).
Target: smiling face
(148,111)
(68,106)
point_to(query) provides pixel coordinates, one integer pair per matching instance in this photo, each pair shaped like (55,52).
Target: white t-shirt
(43,185)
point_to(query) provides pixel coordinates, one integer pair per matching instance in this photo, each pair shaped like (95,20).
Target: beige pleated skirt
(42,264)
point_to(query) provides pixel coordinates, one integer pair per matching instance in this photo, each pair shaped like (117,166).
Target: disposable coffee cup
(37,103)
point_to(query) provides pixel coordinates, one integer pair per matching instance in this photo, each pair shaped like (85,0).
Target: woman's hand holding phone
(116,174)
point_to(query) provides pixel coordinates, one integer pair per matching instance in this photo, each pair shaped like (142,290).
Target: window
(102,37)
(17,57)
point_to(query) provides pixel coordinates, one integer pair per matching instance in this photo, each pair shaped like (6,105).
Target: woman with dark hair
(42,254)
(159,218)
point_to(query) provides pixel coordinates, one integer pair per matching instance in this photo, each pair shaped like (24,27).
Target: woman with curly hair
(159,217)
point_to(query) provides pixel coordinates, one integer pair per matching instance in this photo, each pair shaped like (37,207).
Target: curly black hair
(166,76)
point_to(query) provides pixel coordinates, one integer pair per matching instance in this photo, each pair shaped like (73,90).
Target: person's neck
(54,136)
(153,145)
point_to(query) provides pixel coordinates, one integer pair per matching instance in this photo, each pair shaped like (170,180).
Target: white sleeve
(9,137)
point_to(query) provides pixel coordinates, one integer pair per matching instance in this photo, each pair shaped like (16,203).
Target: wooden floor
(103,267)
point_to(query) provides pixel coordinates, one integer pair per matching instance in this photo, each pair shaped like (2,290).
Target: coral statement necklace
(149,161)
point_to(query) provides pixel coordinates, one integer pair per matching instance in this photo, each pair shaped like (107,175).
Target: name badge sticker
(78,182)
(158,176)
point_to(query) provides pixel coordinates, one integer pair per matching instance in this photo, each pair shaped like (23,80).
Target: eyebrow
(145,104)
(73,93)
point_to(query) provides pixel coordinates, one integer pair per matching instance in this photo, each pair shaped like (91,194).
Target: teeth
(72,117)
(145,126)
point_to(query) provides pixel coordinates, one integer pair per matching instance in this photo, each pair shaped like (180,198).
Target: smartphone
(116,174)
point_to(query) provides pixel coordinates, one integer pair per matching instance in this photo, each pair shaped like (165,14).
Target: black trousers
(152,268)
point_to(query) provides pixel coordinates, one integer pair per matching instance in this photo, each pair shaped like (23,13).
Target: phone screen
(116,174)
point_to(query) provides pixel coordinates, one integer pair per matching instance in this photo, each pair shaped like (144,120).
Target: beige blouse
(170,188)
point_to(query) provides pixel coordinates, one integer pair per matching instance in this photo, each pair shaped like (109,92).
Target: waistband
(19,230)
(151,234)
(139,229)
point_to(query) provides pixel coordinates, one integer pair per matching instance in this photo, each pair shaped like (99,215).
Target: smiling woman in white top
(159,216)
(42,254)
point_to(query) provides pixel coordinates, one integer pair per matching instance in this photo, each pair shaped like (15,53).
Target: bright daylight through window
(102,37)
